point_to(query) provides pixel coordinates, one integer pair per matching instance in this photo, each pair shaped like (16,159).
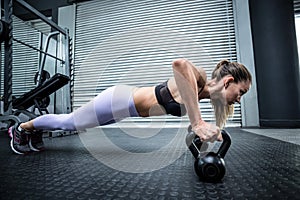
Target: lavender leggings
(112,105)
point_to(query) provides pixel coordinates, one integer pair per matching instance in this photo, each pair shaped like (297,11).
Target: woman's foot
(19,140)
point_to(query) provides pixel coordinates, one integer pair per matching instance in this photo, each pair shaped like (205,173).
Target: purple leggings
(110,106)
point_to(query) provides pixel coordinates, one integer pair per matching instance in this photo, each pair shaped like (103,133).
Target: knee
(28,126)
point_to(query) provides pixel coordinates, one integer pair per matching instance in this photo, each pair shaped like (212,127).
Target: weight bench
(42,91)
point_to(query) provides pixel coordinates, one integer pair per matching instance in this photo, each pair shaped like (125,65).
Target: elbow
(179,63)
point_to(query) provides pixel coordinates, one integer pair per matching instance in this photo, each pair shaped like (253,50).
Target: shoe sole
(32,147)
(14,150)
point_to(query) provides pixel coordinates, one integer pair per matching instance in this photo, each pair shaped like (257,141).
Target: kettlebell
(209,166)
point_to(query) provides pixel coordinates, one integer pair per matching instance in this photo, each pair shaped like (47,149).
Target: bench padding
(48,87)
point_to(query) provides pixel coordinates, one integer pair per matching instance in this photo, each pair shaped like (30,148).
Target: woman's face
(233,92)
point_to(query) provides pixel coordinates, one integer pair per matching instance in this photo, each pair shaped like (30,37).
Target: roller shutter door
(134,42)
(297,7)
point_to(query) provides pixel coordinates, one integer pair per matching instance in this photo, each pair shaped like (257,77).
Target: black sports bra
(165,99)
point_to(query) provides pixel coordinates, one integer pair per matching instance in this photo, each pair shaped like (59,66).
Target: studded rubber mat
(117,164)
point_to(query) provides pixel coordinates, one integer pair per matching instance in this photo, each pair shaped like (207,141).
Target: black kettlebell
(209,166)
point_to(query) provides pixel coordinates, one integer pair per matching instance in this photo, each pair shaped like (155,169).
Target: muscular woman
(177,96)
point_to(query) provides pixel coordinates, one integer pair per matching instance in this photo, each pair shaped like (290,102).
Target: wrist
(198,123)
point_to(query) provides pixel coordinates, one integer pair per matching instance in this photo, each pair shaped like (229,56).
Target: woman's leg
(110,106)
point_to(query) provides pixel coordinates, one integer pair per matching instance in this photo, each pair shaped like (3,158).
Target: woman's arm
(188,80)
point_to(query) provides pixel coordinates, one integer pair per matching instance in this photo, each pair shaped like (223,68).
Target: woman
(177,96)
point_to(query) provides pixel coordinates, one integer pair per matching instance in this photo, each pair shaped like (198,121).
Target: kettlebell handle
(196,150)
(225,145)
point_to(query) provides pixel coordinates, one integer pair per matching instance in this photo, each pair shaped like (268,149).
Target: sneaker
(36,141)
(19,140)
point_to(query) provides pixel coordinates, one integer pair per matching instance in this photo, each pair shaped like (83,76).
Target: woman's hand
(207,132)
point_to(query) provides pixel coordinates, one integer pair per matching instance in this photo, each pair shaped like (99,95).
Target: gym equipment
(36,49)
(42,103)
(39,96)
(44,77)
(40,92)
(209,166)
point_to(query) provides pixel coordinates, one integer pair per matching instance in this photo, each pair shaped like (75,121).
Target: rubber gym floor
(113,163)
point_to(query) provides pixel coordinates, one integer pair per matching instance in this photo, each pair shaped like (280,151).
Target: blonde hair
(240,73)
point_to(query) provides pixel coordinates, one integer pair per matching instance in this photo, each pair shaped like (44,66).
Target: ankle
(19,128)
(24,127)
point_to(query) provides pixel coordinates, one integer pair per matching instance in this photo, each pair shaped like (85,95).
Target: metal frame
(10,117)
(34,48)
(65,32)
(42,64)
(41,16)
(8,10)
(7,95)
